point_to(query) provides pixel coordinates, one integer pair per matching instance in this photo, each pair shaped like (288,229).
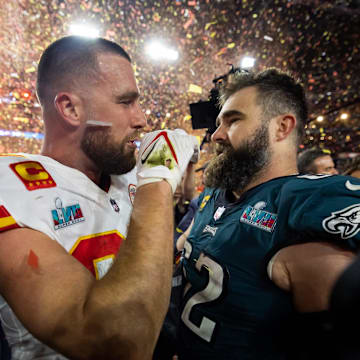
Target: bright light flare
(82,29)
(320,118)
(158,51)
(344,116)
(247,62)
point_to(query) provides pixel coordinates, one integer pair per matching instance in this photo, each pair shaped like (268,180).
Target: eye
(232,120)
(126,102)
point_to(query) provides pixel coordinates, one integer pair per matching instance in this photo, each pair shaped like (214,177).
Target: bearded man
(239,300)
(66,289)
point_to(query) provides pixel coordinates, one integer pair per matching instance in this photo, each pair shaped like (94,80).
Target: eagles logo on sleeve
(345,222)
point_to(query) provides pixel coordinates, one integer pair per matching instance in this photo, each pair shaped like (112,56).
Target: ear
(69,107)
(285,125)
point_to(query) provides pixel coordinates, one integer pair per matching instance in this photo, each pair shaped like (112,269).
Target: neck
(72,157)
(272,171)
(64,146)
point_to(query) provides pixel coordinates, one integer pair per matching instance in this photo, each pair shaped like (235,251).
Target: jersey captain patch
(33,175)
(259,218)
(7,222)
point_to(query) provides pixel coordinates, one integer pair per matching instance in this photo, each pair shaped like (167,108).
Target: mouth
(221,148)
(133,142)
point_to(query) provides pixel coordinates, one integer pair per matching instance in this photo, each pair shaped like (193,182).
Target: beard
(111,157)
(235,169)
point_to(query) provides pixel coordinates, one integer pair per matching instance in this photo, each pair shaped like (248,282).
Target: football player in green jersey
(255,205)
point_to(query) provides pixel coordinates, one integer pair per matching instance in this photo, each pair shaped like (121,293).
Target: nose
(138,117)
(335,171)
(220,135)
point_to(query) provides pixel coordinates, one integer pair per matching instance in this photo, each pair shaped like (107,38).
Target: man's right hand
(164,155)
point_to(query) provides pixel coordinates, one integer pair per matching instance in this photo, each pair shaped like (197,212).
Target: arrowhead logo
(352,187)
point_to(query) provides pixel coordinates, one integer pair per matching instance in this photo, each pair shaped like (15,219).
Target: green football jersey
(230,308)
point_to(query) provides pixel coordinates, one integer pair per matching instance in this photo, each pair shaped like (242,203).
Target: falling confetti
(317,41)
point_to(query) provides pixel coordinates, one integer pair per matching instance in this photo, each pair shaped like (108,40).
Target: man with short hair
(65,213)
(316,161)
(256,204)
(353,168)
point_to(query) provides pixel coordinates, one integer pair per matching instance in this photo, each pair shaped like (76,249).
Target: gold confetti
(195,89)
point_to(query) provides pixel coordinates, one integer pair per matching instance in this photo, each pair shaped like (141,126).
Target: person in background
(316,161)
(184,193)
(353,169)
(201,169)
(189,215)
(67,291)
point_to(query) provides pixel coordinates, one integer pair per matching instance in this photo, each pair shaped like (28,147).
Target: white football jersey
(40,193)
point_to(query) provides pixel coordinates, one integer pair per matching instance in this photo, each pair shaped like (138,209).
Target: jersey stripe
(12,155)
(7,222)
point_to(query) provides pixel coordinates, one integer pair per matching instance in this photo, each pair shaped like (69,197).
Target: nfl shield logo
(132,192)
(220,210)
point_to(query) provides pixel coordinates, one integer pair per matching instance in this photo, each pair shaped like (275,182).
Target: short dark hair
(278,93)
(69,59)
(305,160)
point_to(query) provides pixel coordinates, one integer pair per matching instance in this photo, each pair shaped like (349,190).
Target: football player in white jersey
(64,214)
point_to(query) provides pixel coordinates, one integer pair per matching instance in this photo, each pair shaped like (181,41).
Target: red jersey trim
(7,222)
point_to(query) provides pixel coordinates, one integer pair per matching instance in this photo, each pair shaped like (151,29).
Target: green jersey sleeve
(322,208)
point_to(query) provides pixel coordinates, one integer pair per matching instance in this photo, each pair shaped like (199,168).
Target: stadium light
(158,51)
(83,29)
(247,62)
